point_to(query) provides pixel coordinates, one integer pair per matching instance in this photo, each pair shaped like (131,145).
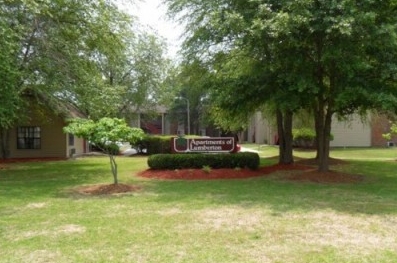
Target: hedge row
(305,137)
(197,161)
(155,144)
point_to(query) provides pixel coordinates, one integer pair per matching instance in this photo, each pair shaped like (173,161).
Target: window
(28,138)
(71,139)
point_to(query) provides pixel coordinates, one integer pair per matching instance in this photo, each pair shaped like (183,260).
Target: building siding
(54,142)
(79,147)
(351,133)
(354,132)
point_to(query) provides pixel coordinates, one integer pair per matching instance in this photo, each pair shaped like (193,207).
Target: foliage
(106,130)
(206,169)
(393,131)
(105,133)
(198,161)
(154,144)
(9,75)
(225,121)
(88,53)
(159,144)
(330,57)
(191,82)
(111,148)
(304,137)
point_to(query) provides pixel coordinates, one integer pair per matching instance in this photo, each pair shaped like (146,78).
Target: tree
(339,62)
(333,57)
(10,103)
(393,132)
(245,78)
(105,133)
(51,48)
(87,53)
(191,83)
(247,85)
(129,80)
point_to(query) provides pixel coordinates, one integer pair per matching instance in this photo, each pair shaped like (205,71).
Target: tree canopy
(86,52)
(327,56)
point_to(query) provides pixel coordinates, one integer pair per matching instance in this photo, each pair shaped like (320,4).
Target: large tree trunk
(323,120)
(4,143)
(284,128)
(324,110)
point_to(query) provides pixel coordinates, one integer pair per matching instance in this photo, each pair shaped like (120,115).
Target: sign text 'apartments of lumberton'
(216,144)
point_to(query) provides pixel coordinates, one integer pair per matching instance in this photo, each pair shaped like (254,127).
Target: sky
(152,13)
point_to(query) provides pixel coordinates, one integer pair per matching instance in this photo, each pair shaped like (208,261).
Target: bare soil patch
(106,189)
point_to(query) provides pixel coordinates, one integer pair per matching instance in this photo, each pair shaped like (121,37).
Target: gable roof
(59,107)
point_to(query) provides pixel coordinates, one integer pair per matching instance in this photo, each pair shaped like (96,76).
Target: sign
(203,145)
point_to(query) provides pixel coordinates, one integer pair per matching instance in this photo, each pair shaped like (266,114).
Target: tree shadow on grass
(287,190)
(24,180)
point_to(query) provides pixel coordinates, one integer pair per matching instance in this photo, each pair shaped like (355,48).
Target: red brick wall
(380,125)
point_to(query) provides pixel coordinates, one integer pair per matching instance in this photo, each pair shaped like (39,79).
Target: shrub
(206,169)
(142,144)
(304,137)
(159,144)
(110,148)
(155,144)
(198,161)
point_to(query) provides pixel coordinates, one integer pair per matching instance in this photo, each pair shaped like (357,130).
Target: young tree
(393,132)
(104,133)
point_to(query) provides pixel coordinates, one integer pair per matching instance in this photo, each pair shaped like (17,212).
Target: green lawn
(341,153)
(252,220)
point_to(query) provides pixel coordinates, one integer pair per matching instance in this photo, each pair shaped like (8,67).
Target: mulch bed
(308,172)
(201,174)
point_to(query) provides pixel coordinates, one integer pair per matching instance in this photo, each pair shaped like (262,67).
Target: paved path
(243,149)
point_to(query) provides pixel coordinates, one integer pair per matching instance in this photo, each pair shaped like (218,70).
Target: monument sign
(203,145)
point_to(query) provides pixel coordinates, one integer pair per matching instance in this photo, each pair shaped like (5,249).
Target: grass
(252,220)
(339,152)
